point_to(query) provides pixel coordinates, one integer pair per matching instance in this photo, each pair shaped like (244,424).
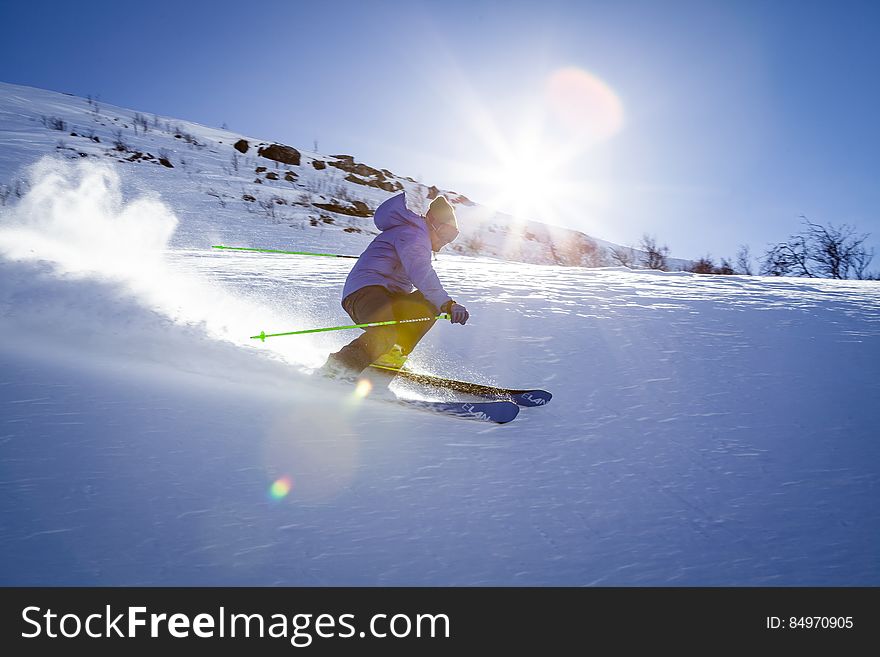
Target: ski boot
(394,358)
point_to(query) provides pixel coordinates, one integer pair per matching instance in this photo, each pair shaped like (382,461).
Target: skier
(380,286)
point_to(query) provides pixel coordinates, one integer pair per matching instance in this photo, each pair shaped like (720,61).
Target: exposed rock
(354,179)
(358,168)
(271,176)
(319,164)
(241,146)
(290,176)
(259,169)
(356,209)
(280,153)
(387,185)
(248,197)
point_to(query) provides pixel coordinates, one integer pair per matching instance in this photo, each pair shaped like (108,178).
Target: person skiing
(380,286)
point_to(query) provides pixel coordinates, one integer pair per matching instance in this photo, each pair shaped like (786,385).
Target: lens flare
(363,388)
(584,104)
(280,488)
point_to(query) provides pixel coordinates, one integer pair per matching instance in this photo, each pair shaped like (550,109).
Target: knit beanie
(441,212)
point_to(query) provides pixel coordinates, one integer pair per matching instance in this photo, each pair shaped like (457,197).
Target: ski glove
(458,314)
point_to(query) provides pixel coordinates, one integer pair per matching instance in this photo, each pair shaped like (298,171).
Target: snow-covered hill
(704,430)
(255,190)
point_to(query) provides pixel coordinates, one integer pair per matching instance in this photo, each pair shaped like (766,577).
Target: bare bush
(725,268)
(54,122)
(141,120)
(820,251)
(838,252)
(744,260)
(706,265)
(119,142)
(653,257)
(180,133)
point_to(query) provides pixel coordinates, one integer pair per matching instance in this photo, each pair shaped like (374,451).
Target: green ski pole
(263,335)
(306,253)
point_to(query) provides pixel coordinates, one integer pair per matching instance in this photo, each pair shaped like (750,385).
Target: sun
(528,162)
(526,182)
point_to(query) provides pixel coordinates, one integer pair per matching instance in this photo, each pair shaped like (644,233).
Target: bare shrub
(141,120)
(54,122)
(744,260)
(706,265)
(119,142)
(653,257)
(820,251)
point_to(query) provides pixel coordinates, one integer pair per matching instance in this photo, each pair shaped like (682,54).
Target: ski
(521,397)
(498,411)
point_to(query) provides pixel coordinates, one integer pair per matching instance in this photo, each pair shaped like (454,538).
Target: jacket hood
(397,211)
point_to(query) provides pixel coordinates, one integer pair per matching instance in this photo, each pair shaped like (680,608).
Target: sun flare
(529,162)
(526,184)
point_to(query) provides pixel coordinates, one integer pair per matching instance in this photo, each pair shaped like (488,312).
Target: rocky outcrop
(355,209)
(280,153)
(241,146)
(387,185)
(363,174)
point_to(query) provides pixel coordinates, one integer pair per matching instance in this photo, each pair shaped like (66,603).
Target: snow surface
(704,430)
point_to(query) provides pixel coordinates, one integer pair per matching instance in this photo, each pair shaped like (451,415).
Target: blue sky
(730,119)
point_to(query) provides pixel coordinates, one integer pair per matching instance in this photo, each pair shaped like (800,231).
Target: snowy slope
(704,430)
(228,196)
